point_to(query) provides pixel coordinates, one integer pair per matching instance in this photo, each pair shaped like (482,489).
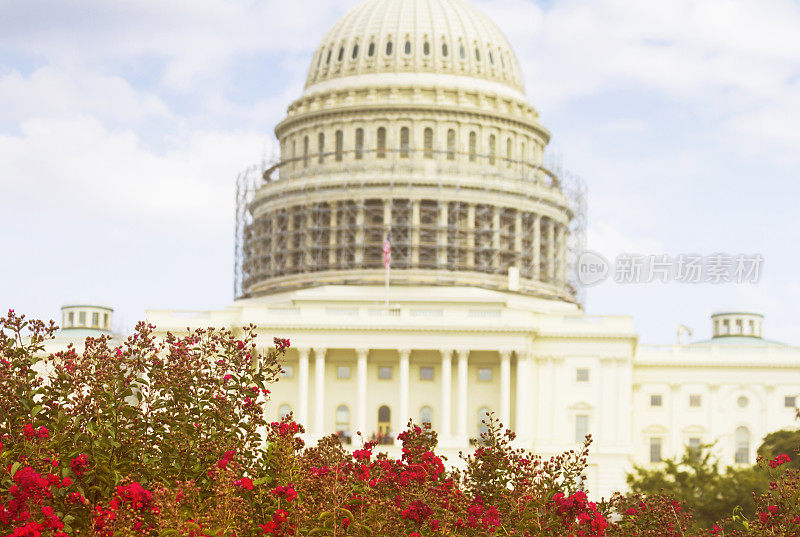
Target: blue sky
(123,125)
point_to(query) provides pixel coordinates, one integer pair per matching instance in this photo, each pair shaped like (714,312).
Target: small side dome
(747,324)
(86,316)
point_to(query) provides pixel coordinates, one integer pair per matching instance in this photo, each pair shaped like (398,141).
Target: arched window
(444,50)
(328,60)
(426,48)
(426,415)
(355,51)
(384,424)
(407,49)
(342,419)
(305,152)
(477,54)
(473,146)
(491,58)
(339,146)
(321,147)
(371,50)
(451,144)
(462,52)
(405,134)
(389,48)
(341,54)
(483,422)
(428,139)
(492,148)
(359,144)
(381,149)
(742,439)
(284,411)
(509,152)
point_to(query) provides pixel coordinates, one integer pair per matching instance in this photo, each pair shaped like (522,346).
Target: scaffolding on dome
(338,238)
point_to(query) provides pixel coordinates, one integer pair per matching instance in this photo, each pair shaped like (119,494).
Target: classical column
(496,237)
(523,387)
(415,233)
(404,385)
(302,381)
(308,237)
(518,240)
(361,413)
(447,381)
(273,244)
(442,234)
(359,239)
(463,355)
(563,235)
(537,247)
(551,251)
(288,261)
(505,388)
(333,230)
(471,235)
(319,386)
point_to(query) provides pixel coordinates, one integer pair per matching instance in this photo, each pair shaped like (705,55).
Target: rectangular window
(451,144)
(485,373)
(385,372)
(695,400)
(82,318)
(381,149)
(288,372)
(359,144)
(105,320)
(582,374)
(790,401)
(426,373)
(405,143)
(71,318)
(655,449)
(95,319)
(428,141)
(339,146)
(655,400)
(321,148)
(581,427)
(343,372)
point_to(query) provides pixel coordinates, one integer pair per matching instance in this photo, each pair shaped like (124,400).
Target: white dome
(440,38)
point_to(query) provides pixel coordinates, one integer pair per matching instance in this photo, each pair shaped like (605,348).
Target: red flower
(244,483)
(28,430)
(79,464)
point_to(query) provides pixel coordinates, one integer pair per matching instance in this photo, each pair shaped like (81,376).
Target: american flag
(387,250)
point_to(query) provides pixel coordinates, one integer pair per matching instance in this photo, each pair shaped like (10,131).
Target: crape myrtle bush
(167,437)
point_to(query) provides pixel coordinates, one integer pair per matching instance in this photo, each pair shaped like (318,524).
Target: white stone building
(414,122)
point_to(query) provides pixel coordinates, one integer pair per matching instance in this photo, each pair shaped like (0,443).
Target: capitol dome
(413,123)
(437,37)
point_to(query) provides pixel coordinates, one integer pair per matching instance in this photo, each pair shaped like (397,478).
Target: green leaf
(14,468)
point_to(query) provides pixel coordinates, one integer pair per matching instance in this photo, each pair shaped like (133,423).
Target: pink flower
(44,432)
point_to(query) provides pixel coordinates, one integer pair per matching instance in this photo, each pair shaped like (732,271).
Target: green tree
(696,479)
(782,442)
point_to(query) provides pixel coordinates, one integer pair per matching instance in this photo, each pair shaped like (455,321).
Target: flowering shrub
(168,438)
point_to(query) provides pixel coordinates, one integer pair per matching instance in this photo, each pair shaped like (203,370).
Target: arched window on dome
(405,142)
(359,144)
(284,411)
(371,50)
(509,152)
(381,147)
(341,54)
(321,148)
(742,439)
(445,52)
(492,149)
(389,48)
(305,152)
(355,51)
(339,146)
(477,54)
(483,422)
(491,57)
(407,48)
(462,52)
(428,140)
(502,60)
(426,415)
(319,59)
(328,60)
(451,144)
(473,146)
(426,48)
